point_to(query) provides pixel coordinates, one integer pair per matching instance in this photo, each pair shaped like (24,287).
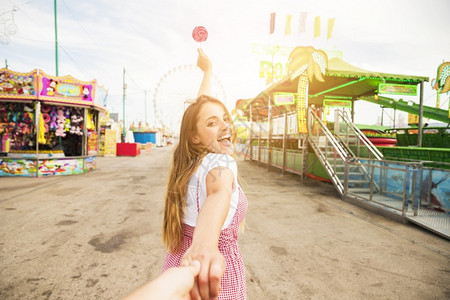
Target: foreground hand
(173,284)
(207,285)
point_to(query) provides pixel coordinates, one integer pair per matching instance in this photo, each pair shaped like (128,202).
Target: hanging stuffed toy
(76,123)
(42,130)
(67,120)
(19,116)
(53,116)
(24,128)
(3,117)
(12,117)
(28,117)
(67,125)
(67,113)
(90,121)
(60,121)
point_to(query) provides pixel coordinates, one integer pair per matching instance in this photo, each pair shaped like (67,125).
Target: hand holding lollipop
(200,35)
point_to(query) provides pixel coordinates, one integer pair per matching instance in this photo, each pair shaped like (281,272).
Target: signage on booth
(397,89)
(413,119)
(65,88)
(337,103)
(17,85)
(284,98)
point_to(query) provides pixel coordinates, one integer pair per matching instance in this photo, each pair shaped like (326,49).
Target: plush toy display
(28,117)
(67,113)
(17,125)
(60,121)
(67,124)
(3,113)
(53,115)
(60,127)
(76,122)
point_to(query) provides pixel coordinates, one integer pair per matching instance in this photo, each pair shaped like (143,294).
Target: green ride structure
(286,127)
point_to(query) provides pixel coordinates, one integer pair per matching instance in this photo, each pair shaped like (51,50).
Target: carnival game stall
(48,124)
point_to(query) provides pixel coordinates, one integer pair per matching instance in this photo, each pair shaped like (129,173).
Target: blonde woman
(204,203)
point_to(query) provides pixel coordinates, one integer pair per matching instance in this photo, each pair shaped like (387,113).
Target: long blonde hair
(186,159)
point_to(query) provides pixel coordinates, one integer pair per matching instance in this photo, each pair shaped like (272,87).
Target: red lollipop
(200,34)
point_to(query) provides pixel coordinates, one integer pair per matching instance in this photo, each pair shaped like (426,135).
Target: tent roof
(341,80)
(339,67)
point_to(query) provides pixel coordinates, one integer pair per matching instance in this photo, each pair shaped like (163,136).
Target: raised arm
(204,248)
(205,65)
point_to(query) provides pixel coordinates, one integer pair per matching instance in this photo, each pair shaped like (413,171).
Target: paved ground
(97,236)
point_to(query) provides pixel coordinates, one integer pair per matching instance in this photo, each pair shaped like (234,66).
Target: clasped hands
(212,268)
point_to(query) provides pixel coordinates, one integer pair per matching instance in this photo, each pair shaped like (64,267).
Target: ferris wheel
(175,90)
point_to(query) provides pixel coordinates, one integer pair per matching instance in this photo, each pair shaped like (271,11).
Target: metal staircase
(345,145)
(350,135)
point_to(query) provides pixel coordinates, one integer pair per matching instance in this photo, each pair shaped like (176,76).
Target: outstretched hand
(207,285)
(173,284)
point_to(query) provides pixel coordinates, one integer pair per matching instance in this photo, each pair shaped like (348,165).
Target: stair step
(358,181)
(329,151)
(341,165)
(332,154)
(350,141)
(338,163)
(351,173)
(359,190)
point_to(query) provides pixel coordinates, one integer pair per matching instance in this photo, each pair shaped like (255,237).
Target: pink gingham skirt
(233,285)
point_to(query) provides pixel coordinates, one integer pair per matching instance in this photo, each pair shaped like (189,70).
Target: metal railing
(411,189)
(397,183)
(346,130)
(433,182)
(321,137)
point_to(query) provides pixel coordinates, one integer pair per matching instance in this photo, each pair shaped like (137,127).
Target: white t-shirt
(209,162)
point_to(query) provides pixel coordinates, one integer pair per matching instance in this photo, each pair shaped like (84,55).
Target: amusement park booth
(48,124)
(303,124)
(280,117)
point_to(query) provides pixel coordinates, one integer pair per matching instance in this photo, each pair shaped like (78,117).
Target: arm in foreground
(173,284)
(204,248)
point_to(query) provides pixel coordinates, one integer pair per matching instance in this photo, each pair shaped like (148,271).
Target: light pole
(123,103)
(145,105)
(56,38)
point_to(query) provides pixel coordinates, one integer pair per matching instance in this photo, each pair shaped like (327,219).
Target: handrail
(322,157)
(342,142)
(374,150)
(340,150)
(409,188)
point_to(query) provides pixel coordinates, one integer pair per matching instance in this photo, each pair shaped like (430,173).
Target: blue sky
(98,38)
